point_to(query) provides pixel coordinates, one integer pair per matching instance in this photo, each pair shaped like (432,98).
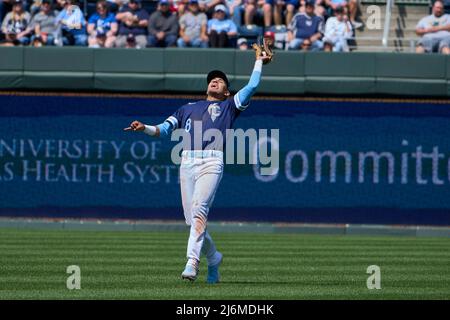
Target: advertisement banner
(338,161)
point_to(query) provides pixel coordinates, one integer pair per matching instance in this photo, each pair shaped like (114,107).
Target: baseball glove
(264,50)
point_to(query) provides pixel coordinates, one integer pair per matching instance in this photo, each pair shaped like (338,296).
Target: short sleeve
(182,21)
(143,15)
(92,19)
(203,19)
(421,24)
(233,27)
(27,17)
(112,18)
(33,22)
(209,24)
(320,27)
(176,118)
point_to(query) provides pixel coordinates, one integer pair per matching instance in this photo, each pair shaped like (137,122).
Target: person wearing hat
(337,32)
(15,24)
(193,27)
(43,24)
(102,27)
(306,30)
(162,26)
(204,127)
(242,44)
(220,28)
(132,20)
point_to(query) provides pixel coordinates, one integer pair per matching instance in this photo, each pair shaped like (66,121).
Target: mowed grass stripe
(147,265)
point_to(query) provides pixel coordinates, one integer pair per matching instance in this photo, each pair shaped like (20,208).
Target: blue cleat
(190,272)
(213,272)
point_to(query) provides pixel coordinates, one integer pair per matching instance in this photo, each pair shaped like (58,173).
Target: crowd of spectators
(311,25)
(301,24)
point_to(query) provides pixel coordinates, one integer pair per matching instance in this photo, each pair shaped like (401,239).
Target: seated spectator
(193,27)
(275,9)
(435,31)
(207,6)
(306,29)
(350,9)
(337,31)
(220,28)
(72,24)
(162,26)
(242,44)
(43,25)
(102,27)
(15,24)
(133,20)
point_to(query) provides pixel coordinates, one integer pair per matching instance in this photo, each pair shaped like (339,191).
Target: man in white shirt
(435,31)
(337,31)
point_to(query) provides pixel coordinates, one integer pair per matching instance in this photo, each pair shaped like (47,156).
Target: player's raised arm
(243,96)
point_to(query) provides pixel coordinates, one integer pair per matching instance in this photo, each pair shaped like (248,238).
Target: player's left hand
(135,126)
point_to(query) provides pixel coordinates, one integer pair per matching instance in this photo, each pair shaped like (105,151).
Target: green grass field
(147,265)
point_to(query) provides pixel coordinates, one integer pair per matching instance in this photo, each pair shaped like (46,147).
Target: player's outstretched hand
(135,126)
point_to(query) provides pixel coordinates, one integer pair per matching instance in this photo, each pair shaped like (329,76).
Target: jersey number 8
(187,126)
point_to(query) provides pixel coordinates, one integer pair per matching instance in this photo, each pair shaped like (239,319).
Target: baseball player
(202,166)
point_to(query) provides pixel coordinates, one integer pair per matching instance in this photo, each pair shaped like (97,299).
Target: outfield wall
(156,70)
(368,162)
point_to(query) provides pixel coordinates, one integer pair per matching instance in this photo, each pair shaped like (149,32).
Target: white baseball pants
(200,174)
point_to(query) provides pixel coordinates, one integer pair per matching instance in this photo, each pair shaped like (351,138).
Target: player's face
(218,88)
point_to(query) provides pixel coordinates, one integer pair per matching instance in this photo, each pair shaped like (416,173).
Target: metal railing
(387,23)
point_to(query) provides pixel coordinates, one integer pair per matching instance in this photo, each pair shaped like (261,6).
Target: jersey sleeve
(176,118)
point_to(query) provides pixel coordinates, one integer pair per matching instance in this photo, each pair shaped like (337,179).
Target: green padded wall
(184,70)
(340,72)
(411,74)
(284,75)
(58,68)
(140,70)
(11,67)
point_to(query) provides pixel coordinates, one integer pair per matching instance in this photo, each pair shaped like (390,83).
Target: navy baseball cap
(193,1)
(217,74)
(310,2)
(166,2)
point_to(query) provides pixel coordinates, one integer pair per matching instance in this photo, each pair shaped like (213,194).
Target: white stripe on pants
(200,174)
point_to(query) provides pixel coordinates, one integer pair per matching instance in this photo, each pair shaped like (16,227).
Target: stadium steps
(402,37)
